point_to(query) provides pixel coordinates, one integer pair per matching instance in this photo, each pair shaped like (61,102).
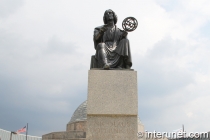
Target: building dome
(80,114)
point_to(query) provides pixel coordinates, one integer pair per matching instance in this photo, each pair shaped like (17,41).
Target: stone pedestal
(112,105)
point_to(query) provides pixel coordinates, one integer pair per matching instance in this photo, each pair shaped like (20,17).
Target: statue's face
(109,15)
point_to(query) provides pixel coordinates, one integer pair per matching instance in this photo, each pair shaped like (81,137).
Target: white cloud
(45,49)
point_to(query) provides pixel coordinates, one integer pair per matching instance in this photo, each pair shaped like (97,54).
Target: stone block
(112,128)
(54,135)
(112,92)
(75,134)
(76,126)
(70,127)
(112,105)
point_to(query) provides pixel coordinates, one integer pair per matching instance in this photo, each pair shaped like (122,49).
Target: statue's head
(108,14)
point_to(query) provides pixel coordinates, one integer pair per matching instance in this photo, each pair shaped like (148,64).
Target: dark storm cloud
(8,7)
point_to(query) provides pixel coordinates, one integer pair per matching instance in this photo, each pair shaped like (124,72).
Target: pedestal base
(112,105)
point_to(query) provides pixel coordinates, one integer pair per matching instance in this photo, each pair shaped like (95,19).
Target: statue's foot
(106,66)
(128,67)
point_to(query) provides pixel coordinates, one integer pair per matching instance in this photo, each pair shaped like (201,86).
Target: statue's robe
(113,46)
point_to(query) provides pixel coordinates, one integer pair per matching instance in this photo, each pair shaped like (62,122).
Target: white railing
(5,135)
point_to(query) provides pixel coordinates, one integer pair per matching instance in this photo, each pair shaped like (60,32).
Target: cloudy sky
(45,49)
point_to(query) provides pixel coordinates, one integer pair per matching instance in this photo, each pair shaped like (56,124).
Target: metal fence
(5,135)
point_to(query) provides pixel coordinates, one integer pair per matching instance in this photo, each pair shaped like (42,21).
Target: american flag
(21,130)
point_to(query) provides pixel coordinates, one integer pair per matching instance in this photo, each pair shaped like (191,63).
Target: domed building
(76,128)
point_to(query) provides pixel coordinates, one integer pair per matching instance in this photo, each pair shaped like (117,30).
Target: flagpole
(11,136)
(183,127)
(26,131)
(183,131)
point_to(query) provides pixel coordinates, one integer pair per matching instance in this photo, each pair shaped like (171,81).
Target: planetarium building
(76,128)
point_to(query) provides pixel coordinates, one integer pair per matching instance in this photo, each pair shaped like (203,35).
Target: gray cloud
(44,64)
(160,79)
(158,70)
(37,88)
(8,7)
(55,45)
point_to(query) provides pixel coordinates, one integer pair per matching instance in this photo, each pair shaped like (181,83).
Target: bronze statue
(111,45)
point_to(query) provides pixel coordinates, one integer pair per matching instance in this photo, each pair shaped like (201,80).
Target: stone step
(75,134)
(64,135)
(68,139)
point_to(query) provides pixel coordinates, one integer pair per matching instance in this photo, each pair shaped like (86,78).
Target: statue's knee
(125,40)
(100,46)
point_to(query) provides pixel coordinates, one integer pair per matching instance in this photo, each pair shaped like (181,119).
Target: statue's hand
(124,34)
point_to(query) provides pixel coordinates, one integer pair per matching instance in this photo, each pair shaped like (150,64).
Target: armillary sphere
(129,24)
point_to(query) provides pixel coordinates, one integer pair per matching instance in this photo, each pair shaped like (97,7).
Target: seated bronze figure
(111,45)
